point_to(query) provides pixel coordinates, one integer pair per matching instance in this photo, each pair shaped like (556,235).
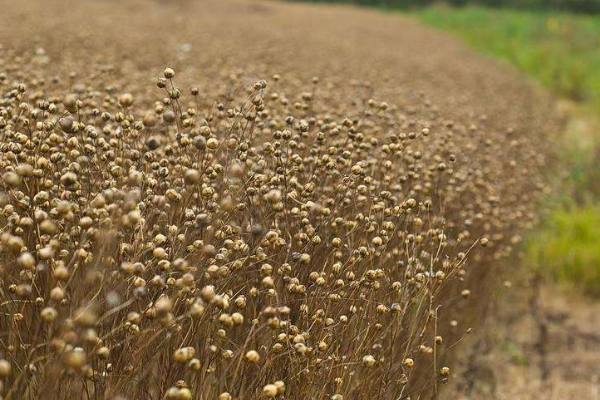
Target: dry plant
(268,238)
(253,247)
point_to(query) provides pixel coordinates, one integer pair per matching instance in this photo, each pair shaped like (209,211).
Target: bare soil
(540,342)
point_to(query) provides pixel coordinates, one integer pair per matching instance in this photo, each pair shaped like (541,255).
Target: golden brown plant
(254,238)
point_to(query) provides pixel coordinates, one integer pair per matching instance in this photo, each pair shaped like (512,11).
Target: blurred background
(544,342)
(557,43)
(582,6)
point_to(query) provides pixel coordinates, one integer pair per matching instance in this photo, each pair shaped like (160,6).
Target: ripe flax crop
(270,237)
(236,250)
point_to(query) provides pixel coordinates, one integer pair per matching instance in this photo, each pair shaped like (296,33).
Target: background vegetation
(559,49)
(581,6)
(562,51)
(557,42)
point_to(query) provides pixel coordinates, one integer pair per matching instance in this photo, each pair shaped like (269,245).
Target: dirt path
(541,342)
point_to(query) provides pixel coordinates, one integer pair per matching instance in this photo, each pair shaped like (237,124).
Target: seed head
(49,314)
(5,368)
(369,361)
(184,354)
(169,73)
(253,356)
(126,100)
(270,391)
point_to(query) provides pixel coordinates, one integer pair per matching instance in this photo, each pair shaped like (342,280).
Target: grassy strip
(568,247)
(560,50)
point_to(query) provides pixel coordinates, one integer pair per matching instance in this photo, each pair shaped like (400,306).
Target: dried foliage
(267,237)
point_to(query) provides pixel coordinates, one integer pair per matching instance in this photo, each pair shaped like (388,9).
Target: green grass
(569,247)
(562,51)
